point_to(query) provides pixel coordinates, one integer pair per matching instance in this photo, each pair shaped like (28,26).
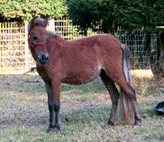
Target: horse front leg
(53,91)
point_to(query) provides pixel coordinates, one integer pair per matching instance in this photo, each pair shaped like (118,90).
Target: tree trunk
(157,66)
(160,53)
(85,32)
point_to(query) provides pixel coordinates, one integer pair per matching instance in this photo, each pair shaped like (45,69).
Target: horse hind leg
(118,75)
(129,96)
(113,93)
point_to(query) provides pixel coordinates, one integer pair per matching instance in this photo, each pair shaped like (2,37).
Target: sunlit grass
(142,74)
(145,83)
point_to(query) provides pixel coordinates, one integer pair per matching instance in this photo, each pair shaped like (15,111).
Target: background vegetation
(104,15)
(24,10)
(108,15)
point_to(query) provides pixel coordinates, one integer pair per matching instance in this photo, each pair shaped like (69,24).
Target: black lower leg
(54,116)
(112,118)
(114,95)
(136,113)
(57,108)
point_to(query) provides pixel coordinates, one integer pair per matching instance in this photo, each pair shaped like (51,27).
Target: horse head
(38,39)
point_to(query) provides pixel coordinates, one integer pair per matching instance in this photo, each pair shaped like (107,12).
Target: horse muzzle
(43,58)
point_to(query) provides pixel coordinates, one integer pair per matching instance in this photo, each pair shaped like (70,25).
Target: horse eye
(35,38)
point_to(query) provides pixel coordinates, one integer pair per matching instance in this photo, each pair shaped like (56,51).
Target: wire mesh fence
(14,53)
(65,28)
(69,32)
(136,41)
(15,56)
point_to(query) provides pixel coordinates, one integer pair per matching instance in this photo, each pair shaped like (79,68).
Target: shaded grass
(84,110)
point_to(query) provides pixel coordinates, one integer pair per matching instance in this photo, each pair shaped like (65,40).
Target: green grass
(85,110)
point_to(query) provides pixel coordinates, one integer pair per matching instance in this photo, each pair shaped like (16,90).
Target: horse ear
(31,24)
(35,21)
(39,22)
(46,22)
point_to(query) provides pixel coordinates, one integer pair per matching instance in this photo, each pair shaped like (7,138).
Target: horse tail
(125,105)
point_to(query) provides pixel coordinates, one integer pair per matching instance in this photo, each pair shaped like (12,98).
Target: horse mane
(53,34)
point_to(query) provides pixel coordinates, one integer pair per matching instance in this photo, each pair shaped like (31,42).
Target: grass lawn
(84,111)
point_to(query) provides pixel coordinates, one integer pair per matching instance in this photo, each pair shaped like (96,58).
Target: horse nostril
(45,57)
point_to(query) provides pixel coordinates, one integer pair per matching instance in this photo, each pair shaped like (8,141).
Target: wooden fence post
(51,25)
(26,48)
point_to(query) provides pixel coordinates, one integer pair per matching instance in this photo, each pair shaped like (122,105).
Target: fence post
(26,48)
(51,25)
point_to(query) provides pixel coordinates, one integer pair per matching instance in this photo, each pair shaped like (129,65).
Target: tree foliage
(147,14)
(25,9)
(111,14)
(91,13)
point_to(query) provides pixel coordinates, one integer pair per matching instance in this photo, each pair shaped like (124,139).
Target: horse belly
(81,77)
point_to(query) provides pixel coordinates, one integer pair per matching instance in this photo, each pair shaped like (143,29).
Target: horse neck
(60,39)
(56,45)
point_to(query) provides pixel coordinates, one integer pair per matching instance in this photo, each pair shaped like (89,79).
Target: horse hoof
(53,130)
(137,122)
(108,125)
(137,125)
